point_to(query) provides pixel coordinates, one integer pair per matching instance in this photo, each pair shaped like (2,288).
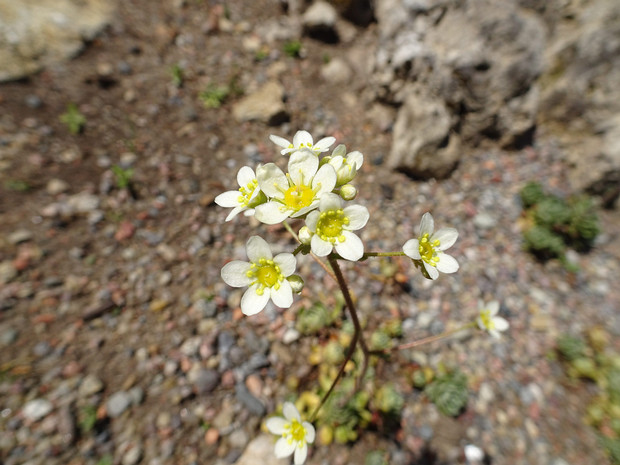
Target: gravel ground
(110,345)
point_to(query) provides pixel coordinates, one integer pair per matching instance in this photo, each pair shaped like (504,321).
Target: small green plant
(313,319)
(589,358)
(73,119)
(16,185)
(554,223)
(123,176)
(376,457)
(214,96)
(177,75)
(449,392)
(106,460)
(87,418)
(292,48)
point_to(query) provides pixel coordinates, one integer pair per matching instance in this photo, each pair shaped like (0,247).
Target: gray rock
(8,336)
(424,144)
(132,456)
(118,403)
(37,409)
(250,402)
(337,71)
(265,105)
(319,22)
(7,272)
(56,186)
(204,380)
(83,202)
(484,221)
(36,33)
(19,236)
(260,450)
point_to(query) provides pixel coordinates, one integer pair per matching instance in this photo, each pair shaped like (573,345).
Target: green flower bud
(296,282)
(348,192)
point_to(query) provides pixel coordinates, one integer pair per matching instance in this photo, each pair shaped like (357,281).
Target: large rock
(266,105)
(36,33)
(424,144)
(479,58)
(580,93)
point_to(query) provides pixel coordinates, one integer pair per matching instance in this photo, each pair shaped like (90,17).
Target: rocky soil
(119,341)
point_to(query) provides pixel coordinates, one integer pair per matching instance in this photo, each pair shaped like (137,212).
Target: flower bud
(348,192)
(305,235)
(296,282)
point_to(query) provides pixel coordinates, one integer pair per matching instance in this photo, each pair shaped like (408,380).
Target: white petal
(358,216)
(251,302)
(271,213)
(283,448)
(431,270)
(493,307)
(271,180)
(447,263)
(352,248)
(300,454)
(447,237)
(287,263)
(310,433)
(257,248)
(290,411)
(324,144)
(336,161)
(276,425)
(234,212)
(481,324)
(500,323)
(324,180)
(355,159)
(279,141)
(245,176)
(228,199)
(302,167)
(495,333)
(340,151)
(427,225)
(412,249)
(312,219)
(329,201)
(302,138)
(320,247)
(235,273)
(282,297)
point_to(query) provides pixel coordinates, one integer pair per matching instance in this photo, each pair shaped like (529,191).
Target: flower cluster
(315,188)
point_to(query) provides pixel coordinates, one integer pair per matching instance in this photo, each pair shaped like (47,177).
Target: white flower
(487,321)
(332,226)
(296,193)
(346,167)
(245,198)
(302,141)
(296,435)
(427,250)
(264,274)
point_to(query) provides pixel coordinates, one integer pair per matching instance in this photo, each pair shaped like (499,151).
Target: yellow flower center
(246,192)
(266,274)
(487,321)
(295,432)
(330,225)
(427,250)
(298,197)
